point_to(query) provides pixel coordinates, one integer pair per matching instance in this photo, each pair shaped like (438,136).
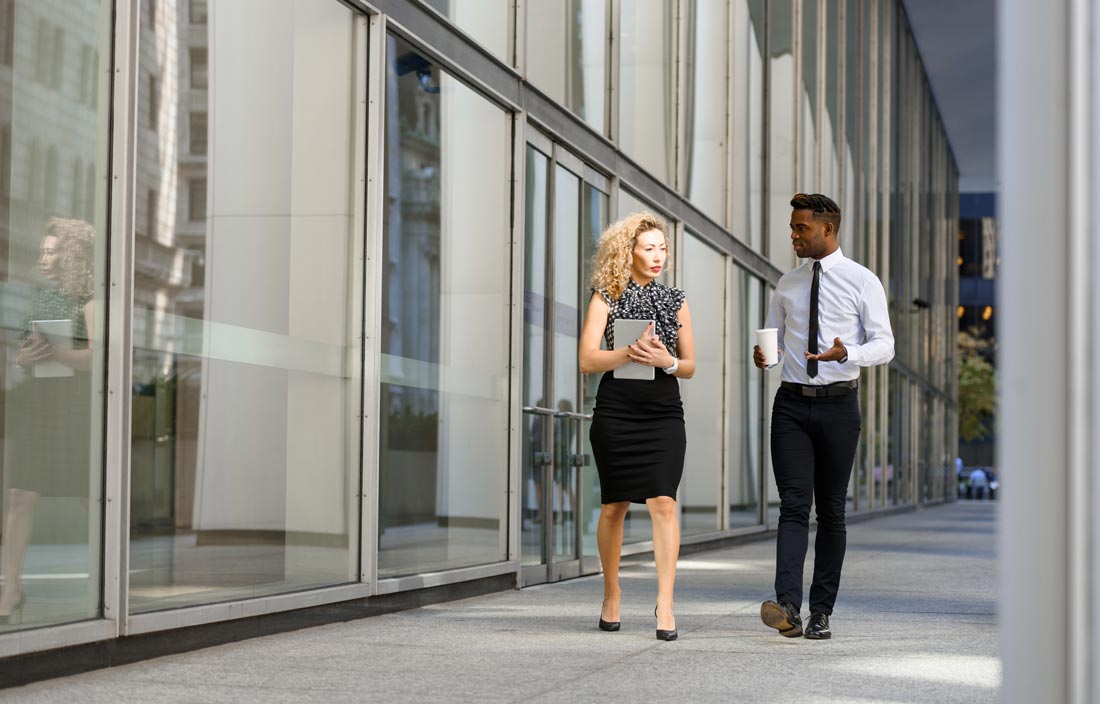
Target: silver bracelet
(672,369)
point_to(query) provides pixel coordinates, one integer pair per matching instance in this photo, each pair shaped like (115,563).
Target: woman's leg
(17,536)
(609,537)
(666,549)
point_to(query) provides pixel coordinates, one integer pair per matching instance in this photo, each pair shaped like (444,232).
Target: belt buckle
(810,391)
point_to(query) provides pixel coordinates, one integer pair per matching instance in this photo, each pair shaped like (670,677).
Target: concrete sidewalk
(915,622)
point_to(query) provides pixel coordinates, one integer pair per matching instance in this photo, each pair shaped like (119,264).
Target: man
(832,318)
(979,482)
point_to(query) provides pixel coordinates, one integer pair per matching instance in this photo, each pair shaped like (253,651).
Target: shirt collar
(830,261)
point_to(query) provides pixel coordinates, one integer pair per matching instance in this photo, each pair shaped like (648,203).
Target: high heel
(662,634)
(15,616)
(610,625)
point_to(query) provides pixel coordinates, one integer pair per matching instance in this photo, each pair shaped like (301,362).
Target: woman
(637,434)
(48,422)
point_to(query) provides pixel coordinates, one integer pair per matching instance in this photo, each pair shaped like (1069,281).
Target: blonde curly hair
(76,240)
(615,256)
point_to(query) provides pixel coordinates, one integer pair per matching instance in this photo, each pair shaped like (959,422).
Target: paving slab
(915,622)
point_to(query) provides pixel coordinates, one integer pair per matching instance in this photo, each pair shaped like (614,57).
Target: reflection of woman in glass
(638,435)
(48,412)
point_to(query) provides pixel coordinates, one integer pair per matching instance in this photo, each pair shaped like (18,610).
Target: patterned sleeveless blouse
(56,304)
(653,301)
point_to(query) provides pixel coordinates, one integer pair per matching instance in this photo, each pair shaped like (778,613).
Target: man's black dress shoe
(817,628)
(609,625)
(783,617)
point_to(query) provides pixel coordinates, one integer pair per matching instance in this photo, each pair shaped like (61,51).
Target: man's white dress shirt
(851,306)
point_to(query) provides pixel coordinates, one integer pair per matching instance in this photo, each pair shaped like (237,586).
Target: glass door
(557,466)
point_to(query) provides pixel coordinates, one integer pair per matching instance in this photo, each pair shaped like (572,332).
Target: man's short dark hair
(824,208)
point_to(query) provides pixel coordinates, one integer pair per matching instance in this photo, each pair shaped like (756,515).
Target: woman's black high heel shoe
(665,635)
(15,616)
(609,625)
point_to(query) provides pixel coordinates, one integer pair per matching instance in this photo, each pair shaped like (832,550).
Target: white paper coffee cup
(768,341)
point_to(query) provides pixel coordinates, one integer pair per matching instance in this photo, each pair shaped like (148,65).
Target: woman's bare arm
(590,357)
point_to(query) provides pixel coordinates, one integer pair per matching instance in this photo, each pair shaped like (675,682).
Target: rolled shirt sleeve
(776,319)
(878,338)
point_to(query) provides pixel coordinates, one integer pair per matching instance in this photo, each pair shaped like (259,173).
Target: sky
(957,42)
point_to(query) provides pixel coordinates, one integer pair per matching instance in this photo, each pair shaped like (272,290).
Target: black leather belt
(840,388)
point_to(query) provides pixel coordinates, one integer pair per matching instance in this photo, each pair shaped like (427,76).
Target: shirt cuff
(855,355)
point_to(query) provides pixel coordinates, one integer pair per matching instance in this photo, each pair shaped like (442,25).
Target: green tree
(977,395)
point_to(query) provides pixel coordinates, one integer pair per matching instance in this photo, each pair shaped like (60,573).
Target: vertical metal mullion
(764,459)
(377,55)
(822,82)
(517,39)
(765,135)
(727,395)
(118,342)
(680,146)
(516,420)
(882,235)
(356,360)
(550,422)
(614,62)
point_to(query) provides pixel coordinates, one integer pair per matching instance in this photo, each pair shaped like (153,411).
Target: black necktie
(811,364)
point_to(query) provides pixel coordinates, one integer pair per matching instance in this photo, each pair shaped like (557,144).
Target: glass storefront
(338,268)
(704,274)
(53,245)
(444,367)
(647,85)
(567,55)
(705,99)
(244,444)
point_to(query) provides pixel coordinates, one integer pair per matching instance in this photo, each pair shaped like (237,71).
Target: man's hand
(649,351)
(758,357)
(834,354)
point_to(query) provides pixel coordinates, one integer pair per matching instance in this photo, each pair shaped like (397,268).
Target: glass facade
(443,435)
(292,302)
(53,244)
(243,442)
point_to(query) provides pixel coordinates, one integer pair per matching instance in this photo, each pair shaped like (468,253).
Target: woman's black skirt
(638,438)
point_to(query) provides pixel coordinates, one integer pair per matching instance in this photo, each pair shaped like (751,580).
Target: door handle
(584,460)
(543,459)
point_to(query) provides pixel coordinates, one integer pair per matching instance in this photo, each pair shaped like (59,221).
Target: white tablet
(627,332)
(59,333)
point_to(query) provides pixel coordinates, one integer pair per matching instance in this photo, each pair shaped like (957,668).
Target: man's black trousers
(813,442)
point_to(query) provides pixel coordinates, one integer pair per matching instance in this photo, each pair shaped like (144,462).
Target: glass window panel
(567,48)
(781,111)
(536,233)
(744,406)
(489,22)
(647,89)
(704,274)
(868,132)
(245,430)
(567,326)
(197,11)
(443,458)
(831,128)
(747,65)
(594,219)
(52,282)
(706,89)
(808,154)
(853,230)
(197,133)
(199,67)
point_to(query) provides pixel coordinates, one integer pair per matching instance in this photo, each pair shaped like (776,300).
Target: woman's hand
(34,348)
(649,351)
